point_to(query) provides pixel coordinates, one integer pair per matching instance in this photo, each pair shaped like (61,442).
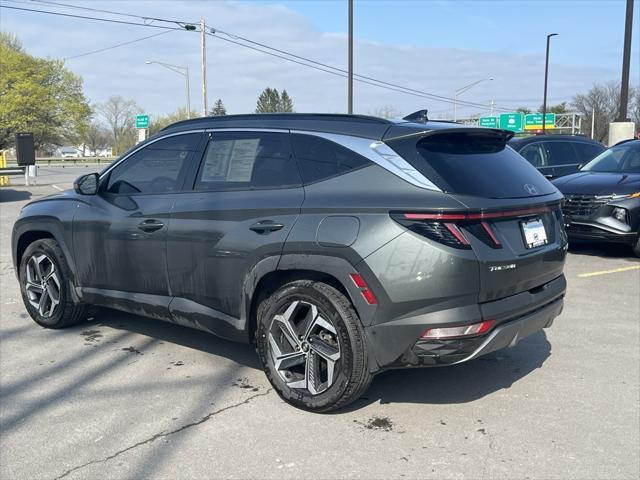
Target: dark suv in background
(557,155)
(340,245)
(602,200)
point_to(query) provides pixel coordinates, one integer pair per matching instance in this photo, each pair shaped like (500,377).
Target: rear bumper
(397,344)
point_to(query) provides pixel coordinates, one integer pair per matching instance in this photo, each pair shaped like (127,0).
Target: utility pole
(626,60)
(546,77)
(350,68)
(203,65)
(593,122)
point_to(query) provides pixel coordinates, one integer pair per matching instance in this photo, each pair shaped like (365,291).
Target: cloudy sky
(435,46)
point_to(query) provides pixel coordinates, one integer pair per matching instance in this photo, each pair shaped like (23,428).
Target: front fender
(52,218)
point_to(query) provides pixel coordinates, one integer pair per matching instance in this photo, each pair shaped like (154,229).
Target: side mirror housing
(86,184)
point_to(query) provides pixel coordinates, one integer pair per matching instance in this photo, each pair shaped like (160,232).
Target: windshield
(623,158)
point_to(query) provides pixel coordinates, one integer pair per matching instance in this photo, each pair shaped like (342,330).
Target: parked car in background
(69,152)
(602,200)
(557,155)
(341,245)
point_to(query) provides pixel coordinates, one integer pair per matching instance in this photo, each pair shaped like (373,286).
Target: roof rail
(338,117)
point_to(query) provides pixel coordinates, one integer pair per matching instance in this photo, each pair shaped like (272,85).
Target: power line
(95,18)
(110,12)
(119,45)
(304,61)
(342,73)
(432,96)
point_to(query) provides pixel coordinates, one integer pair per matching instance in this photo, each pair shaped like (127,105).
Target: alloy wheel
(42,285)
(304,348)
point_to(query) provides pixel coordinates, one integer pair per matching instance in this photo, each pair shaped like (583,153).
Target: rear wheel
(45,286)
(636,248)
(312,346)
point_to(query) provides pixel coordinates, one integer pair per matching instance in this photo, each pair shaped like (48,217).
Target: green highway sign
(142,121)
(533,121)
(489,122)
(512,121)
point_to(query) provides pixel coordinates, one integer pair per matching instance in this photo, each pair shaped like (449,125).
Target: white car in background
(69,152)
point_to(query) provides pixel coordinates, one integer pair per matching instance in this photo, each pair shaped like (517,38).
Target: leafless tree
(604,101)
(97,136)
(119,114)
(386,111)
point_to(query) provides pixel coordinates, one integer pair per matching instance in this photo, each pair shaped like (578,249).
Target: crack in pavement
(162,434)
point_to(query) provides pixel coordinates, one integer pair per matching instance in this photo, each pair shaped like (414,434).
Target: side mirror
(86,184)
(580,165)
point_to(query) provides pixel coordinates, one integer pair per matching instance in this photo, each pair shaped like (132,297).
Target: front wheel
(312,347)
(45,286)
(636,248)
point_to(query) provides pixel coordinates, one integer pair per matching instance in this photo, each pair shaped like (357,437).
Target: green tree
(218,109)
(268,101)
(157,123)
(119,114)
(39,96)
(285,104)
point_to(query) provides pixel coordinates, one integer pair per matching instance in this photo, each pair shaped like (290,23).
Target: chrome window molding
(380,154)
(118,162)
(247,129)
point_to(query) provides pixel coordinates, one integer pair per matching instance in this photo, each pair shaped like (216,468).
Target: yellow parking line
(605,272)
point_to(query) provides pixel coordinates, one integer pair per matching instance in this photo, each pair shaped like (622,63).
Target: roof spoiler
(420,116)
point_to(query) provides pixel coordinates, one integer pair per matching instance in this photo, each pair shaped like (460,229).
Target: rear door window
(320,158)
(248,161)
(560,153)
(535,154)
(473,163)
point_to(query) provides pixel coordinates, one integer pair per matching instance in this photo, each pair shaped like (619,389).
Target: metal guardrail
(68,161)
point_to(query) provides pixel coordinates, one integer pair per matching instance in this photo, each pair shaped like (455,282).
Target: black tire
(350,373)
(636,248)
(66,312)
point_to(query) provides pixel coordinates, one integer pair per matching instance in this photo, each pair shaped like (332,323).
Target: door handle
(150,226)
(266,226)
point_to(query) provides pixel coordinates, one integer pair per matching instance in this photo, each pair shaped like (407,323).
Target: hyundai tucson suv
(340,245)
(557,155)
(602,200)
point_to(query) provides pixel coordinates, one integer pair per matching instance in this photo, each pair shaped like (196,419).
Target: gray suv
(340,245)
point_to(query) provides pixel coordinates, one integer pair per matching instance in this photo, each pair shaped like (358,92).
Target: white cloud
(237,75)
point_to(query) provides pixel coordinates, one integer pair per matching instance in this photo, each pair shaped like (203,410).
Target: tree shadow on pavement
(187,337)
(10,195)
(461,383)
(441,385)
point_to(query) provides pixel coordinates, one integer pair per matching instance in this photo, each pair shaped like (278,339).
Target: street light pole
(350,61)
(546,77)
(626,60)
(462,90)
(203,65)
(182,71)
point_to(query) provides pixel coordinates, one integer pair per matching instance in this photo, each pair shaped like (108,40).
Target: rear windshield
(473,163)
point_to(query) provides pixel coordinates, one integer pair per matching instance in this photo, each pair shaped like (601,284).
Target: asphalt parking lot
(127,397)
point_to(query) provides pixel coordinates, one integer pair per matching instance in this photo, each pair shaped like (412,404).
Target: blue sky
(431,45)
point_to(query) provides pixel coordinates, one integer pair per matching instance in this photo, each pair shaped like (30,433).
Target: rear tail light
(451,228)
(365,291)
(457,332)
